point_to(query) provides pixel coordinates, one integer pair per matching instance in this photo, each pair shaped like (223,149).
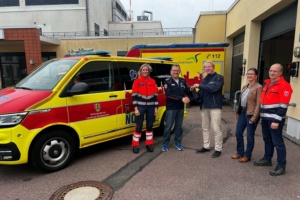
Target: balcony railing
(124,33)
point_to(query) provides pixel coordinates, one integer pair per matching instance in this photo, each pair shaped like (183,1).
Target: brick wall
(32,44)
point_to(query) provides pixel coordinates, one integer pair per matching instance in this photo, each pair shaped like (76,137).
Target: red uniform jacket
(144,92)
(274,100)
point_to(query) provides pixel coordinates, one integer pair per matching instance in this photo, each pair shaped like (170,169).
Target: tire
(52,151)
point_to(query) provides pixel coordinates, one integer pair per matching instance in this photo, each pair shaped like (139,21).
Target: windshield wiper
(24,88)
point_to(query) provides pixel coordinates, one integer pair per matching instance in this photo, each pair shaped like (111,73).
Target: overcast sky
(175,13)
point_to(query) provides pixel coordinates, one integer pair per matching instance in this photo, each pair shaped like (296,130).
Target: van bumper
(9,152)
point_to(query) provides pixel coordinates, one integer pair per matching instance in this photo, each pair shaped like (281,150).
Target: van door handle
(114,95)
(127,108)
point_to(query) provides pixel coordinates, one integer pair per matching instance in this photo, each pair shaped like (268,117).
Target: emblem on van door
(97,107)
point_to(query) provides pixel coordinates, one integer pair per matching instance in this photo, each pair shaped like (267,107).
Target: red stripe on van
(94,110)
(42,119)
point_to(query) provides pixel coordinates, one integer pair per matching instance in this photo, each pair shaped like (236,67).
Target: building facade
(63,17)
(260,34)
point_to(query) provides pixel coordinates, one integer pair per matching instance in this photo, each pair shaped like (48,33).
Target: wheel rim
(55,152)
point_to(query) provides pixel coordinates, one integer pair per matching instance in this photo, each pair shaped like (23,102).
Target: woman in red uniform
(144,99)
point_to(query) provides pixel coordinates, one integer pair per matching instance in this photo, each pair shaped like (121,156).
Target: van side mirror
(79,88)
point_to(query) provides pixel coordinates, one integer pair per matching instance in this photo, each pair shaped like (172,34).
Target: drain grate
(84,190)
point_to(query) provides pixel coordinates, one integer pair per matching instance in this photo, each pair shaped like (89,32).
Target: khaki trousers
(211,120)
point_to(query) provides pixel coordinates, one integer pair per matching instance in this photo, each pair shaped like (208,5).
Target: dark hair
(253,69)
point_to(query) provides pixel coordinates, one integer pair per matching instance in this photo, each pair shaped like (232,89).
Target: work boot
(149,148)
(263,162)
(277,171)
(135,149)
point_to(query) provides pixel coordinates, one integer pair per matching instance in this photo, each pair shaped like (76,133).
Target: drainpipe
(194,34)
(235,100)
(87,17)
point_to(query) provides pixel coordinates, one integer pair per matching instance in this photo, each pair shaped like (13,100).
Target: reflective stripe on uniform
(147,97)
(145,103)
(149,135)
(274,106)
(274,116)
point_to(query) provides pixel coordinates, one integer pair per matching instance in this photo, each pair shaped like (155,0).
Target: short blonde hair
(211,62)
(145,65)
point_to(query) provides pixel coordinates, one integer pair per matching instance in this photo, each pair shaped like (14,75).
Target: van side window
(128,72)
(160,73)
(98,75)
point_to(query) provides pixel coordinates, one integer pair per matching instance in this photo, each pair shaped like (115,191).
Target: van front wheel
(52,151)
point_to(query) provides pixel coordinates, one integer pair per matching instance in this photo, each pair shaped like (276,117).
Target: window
(128,72)
(98,75)
(4,3)
(160,72)
(97,29)
(49,2)
(105,32)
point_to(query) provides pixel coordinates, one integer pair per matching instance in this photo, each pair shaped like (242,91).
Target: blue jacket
(210,91)
(175,92)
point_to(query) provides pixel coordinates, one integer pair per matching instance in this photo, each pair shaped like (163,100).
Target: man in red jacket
(275,97)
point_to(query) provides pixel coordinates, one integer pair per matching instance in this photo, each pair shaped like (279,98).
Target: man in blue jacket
(210,97)
(176,91)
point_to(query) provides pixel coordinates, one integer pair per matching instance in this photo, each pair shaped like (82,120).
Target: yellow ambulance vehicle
(190,57)
(71,103)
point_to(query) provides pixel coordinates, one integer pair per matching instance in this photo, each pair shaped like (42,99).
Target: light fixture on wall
(31,62)
(297,52)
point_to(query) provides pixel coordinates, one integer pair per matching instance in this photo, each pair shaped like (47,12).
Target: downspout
(87,17)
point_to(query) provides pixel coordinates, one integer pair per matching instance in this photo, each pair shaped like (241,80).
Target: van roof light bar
(87,52)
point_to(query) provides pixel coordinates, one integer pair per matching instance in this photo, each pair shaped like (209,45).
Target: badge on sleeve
(165,86)
(286,93)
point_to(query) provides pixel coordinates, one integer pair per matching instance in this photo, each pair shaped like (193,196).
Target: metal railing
(124,33)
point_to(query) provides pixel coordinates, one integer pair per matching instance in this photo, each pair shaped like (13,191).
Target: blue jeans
(150,118)
(273,138)
(171,117)
(242,124)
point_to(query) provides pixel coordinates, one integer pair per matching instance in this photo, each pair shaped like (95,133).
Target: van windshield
(47,75)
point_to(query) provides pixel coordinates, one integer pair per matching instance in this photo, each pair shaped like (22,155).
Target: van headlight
(12,119)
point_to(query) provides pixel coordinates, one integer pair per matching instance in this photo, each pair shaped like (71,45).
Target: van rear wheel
(52,151)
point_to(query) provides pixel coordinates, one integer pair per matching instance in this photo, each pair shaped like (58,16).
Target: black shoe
(149,148)
(277,171)
(263,162)
(202,150)
(135,149)
(216,154)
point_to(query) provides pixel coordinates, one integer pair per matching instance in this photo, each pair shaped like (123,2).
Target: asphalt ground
(165,175)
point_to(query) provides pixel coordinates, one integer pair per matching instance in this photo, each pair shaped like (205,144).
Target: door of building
(12,68)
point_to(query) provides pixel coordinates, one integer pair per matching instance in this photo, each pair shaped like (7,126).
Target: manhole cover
(87,190)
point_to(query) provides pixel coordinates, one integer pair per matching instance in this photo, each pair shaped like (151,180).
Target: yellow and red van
(71,103)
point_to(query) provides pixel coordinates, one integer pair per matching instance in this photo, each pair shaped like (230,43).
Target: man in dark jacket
(176,91)
(210,97)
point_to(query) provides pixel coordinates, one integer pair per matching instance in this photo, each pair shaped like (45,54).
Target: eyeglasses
(250,74)
(273,71)
(175,70)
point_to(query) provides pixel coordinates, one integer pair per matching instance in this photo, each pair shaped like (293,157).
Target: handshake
(194,86)
(185,100)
